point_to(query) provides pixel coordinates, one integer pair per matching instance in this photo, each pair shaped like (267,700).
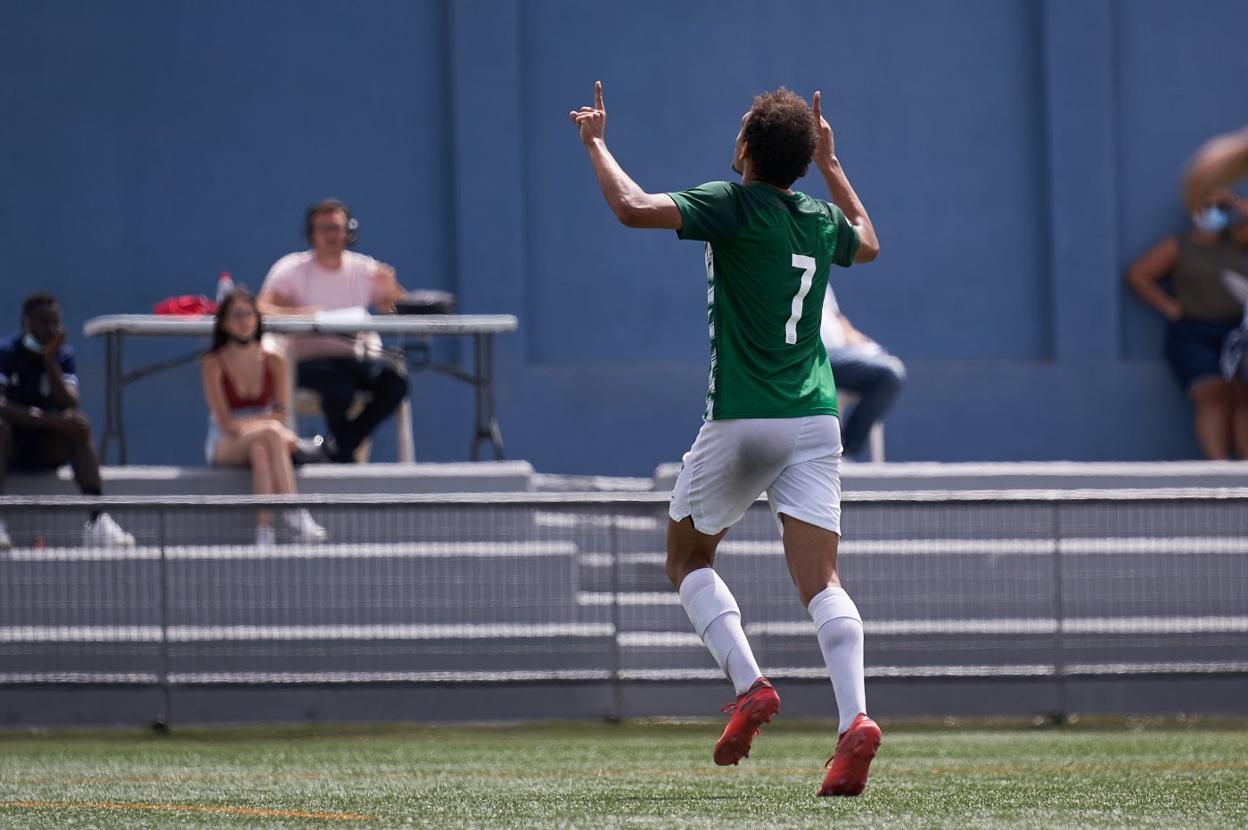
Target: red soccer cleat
(757,706)
(847,768)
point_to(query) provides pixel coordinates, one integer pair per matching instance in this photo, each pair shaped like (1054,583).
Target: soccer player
(771,417)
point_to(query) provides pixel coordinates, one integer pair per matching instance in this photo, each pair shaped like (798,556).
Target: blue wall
(1015,155)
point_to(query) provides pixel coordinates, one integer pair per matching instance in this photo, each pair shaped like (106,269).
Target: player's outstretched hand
(591,121)
(825,150)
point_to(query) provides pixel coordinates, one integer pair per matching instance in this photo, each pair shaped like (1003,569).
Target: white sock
(717,619)
(839,629)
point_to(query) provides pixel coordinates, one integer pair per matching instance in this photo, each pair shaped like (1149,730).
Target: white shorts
(797,461)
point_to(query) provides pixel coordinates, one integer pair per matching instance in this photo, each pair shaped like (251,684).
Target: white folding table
(413,333)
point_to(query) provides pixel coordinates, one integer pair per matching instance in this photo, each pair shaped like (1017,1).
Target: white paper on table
(351,314)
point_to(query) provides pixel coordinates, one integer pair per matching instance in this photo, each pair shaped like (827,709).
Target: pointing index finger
(815,107)
(598,105)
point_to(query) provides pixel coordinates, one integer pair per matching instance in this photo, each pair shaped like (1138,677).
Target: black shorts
(1194,349)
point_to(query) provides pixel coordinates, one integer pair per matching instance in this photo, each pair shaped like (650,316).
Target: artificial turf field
(1120,774)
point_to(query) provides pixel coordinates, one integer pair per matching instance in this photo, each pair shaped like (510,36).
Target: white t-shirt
(303,281)
(831,330)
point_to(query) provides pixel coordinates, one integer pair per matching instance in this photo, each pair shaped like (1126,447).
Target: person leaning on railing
(41,423)
(245,386)
(1202,312)
(329,277)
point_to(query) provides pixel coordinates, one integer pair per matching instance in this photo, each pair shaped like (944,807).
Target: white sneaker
(265,537)
(5,541)
(304,527)
(105,533)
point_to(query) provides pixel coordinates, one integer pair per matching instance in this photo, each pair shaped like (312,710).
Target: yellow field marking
(183,808)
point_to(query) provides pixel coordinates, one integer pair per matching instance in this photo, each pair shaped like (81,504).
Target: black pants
(337,379)
(43,450)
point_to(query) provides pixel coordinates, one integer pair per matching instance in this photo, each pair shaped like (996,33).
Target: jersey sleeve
(6,365)
(709,212)
(69,365)
(844,237)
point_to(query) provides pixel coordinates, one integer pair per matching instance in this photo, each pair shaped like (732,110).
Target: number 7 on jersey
(807,264)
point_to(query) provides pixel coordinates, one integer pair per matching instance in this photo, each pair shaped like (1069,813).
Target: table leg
(112,389)
(486,426)
(119,403)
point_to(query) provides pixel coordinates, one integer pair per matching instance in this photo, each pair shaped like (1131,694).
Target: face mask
(31,343)
(1212,219)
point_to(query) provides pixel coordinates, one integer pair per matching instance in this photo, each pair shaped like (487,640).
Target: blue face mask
(1212,219)
(31,343)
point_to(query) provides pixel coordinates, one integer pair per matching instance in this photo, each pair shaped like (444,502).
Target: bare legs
(264,446)
(1221,417)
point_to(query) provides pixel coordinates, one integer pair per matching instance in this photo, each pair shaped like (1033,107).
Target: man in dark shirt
(41,425)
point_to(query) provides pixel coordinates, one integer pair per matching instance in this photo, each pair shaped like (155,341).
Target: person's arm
(20,415)
(633,206)
(277,371)
(1145,274)
(271,301)
(69,421)
(61,389)
(842,192)
(1222,161)
(275,296)
(214,395)
(386,288)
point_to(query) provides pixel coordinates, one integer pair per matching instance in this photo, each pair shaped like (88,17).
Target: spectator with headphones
(41,423)
(328,277)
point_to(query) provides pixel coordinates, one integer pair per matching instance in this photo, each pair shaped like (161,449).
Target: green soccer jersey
(767,259)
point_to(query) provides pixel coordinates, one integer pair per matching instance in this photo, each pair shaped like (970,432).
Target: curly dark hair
(781,136)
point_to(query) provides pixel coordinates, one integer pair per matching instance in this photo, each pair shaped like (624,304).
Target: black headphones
(325,206)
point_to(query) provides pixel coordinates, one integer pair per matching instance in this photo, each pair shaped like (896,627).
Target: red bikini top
(237,401)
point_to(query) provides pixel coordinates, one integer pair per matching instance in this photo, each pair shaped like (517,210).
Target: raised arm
(62,390)
(842,192)
(633,206)
(1221,162)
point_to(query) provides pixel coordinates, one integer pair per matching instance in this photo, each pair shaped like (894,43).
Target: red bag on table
(186,306)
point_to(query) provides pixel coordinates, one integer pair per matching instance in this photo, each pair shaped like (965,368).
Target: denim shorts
(1194,349)
(215,433)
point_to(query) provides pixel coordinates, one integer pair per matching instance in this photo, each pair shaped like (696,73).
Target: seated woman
(245,386)
(1202,312)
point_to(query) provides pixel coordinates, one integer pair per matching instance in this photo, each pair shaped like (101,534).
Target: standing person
(327,277)
(1222,161)
(245,387)
(42,425)
(862,366)
(1202,312)
(771,417)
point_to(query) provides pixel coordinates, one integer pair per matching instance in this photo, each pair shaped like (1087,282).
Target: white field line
(406,550)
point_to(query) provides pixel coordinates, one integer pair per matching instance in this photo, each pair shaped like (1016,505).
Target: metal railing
(502,588)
